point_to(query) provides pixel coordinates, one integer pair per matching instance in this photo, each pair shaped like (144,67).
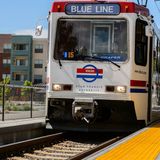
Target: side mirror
(149,31)
(38,30)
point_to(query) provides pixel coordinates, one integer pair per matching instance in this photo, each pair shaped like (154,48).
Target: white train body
(101,66)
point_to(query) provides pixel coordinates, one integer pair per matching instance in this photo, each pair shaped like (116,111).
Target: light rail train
(103,66)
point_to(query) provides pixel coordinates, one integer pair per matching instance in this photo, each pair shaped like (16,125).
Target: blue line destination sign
(92,9)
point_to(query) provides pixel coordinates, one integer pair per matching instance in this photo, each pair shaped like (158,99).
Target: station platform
(141,145)
(21,124)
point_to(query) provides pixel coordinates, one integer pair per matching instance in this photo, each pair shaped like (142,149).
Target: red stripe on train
(138,83)
(89,70)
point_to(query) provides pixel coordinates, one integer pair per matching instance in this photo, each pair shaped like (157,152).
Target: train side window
(141,43)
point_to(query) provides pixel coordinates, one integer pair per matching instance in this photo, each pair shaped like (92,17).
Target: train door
(144,45)
(155,90)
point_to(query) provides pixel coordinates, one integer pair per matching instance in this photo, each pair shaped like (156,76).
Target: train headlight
(57,87)
(120,89)
(62,87)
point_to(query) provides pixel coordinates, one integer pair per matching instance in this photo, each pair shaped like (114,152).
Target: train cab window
(101,38)
(78,39)
(141,43)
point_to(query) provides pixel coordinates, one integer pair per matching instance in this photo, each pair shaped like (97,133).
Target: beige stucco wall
(40,56)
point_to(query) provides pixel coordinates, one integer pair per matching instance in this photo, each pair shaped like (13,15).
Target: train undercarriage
(96,116)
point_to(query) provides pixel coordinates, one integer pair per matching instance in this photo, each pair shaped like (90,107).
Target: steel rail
(20,146)
(99,147)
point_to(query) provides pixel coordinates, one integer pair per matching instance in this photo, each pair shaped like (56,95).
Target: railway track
(60,146)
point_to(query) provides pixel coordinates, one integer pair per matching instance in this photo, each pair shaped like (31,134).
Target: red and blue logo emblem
(89,73)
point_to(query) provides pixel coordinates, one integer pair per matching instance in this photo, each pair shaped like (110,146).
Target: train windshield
(78,39)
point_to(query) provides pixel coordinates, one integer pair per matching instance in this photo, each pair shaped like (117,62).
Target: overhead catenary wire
(146,3)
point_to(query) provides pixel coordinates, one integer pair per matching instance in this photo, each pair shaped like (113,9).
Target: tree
(3,84)
(25,92)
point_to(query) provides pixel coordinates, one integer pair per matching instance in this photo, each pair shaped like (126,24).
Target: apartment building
(39,60)
(5,55)
(21,59)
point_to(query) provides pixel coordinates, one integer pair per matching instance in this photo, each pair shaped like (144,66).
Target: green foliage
(17,107)
(6,80)
(7,89)
(27,83)
(25,92)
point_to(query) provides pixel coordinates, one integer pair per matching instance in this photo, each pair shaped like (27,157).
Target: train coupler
(84,109)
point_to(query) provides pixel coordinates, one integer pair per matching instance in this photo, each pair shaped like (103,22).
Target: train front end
(90,66)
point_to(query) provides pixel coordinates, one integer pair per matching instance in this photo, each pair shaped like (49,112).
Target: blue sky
(155,10)
(22,15)
(18,15)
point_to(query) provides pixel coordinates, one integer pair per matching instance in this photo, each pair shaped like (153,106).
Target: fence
(18,102)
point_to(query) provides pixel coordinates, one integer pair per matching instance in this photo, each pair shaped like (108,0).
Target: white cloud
(32,32)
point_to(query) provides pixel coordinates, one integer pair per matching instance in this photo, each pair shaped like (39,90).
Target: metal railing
(19,102)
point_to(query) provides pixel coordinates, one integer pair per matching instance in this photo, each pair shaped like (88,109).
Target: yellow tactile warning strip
(143,146)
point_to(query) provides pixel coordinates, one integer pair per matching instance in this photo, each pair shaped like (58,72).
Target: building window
(38,48)
(6,75)
(38,64)
(20,47)
(37,79)
(20,77)
(7,48)
(21,62)
(6,61)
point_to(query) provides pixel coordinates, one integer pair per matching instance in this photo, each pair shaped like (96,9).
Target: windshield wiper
(101,59)
(60,64)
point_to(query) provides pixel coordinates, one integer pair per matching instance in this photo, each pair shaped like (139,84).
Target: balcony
(20,68)
(20,52)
